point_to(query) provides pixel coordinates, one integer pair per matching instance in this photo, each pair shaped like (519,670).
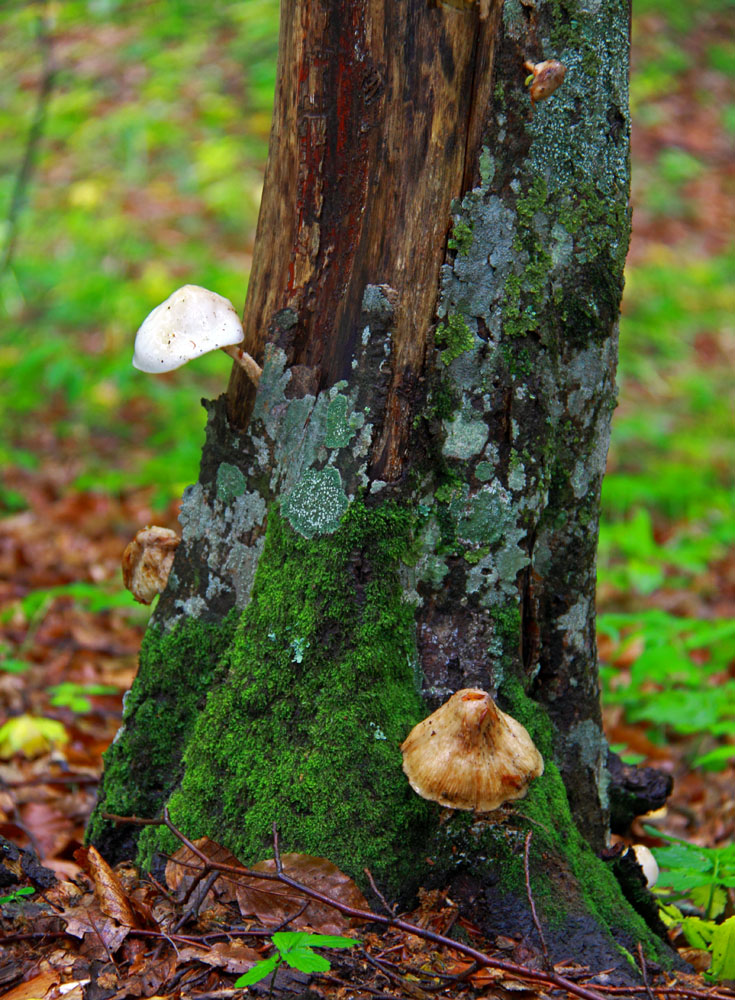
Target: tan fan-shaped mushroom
(470,755)
(147,560)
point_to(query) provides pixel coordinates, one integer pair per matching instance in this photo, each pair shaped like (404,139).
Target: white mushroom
(646,862)
(192,321)
(470,755)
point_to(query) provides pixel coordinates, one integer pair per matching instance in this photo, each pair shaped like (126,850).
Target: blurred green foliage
(148,176)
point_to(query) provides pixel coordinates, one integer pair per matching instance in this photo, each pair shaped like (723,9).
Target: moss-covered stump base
(579,901)
(317,689)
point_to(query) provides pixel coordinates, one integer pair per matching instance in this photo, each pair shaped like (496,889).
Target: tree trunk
(408,504)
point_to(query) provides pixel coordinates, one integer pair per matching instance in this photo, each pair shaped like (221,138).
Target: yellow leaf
(30,736)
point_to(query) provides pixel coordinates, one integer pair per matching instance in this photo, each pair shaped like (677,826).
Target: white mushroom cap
(647,862)
(470,755)
(191,322)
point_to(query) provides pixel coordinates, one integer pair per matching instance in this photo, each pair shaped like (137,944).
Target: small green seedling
(295,949)
(75,696)
(703,875)
(27,890)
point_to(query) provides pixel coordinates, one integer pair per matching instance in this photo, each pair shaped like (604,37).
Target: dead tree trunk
(408,504)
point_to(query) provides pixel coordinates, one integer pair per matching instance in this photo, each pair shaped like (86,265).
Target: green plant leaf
(716,760)
(723,951)
(712,899)
(16,894)
(329,941)
(259,971)
(698,932)
(306,960)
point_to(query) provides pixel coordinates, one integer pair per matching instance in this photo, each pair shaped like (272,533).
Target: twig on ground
(644,971)
(520,971)
(536,922)
(193,910)
(388,908)
(667,991)
(389,974)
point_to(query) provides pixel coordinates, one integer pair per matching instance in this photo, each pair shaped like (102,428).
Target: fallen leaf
(229,956)
(185,868)
(107,887)
(102,935)
(273,902)
(30,736)
(32,988)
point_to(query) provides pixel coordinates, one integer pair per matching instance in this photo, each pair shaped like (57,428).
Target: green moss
(445,401)
(143,765)
(533,201)
(461,238)
(507,626)
(314,745)
(555,835)
(455,337)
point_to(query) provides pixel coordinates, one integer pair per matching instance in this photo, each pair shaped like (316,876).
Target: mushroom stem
(251,367)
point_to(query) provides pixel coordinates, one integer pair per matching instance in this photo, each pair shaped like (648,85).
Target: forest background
(143,128)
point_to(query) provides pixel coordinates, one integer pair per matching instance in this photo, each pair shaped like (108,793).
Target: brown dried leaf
(52,830)
(36,987)
(107,887)
(273,903)
(231,956)
(185,867)
(102,934)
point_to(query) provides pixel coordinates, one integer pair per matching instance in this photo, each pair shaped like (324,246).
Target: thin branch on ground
(276,849)
(644,971)
(549,977)
(193,910)
(536,922)
(388,908)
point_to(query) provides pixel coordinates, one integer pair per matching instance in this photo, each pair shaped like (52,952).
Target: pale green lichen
(231,482)
(465,437)
(316,504)
(341,425)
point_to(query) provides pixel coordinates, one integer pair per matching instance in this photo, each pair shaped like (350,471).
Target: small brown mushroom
(147,560)
(470,755)
(544,78)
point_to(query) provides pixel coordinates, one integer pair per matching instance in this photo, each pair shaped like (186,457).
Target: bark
(408,504)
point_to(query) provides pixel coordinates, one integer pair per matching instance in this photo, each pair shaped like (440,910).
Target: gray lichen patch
(316,504)
(485,517)
(215,529)
(465,437)
(475,281)
(575,622)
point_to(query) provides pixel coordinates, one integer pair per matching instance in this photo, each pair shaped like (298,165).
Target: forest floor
(69,635)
